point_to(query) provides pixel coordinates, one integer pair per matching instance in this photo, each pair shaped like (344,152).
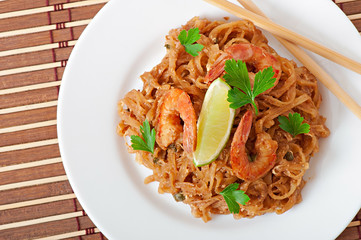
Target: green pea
(179,197)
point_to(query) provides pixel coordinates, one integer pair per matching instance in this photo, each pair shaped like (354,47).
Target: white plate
(125,39)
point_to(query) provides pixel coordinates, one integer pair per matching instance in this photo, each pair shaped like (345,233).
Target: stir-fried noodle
(173,168)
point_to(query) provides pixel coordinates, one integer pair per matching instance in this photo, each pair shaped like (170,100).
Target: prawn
(242,165)
(249,53)
(177,105)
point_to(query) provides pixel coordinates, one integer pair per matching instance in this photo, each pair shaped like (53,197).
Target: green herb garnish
(149,138)
(188,39)
(237,77)
(293,124)
(232,196)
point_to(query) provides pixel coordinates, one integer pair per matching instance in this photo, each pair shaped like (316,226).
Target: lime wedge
(214,123)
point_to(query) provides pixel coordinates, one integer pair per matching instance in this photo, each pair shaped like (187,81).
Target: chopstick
(283,32)
(311,65)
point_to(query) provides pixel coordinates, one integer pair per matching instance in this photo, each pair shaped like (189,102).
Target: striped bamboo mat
(36,38)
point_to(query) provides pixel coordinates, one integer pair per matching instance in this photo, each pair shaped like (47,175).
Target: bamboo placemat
(36,38)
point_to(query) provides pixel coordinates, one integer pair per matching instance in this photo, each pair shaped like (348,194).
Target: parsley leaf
(237,98)
(293,124)
(263,81)
(232,196)
(237,77)
(188,39)
(193,49)
(149,138)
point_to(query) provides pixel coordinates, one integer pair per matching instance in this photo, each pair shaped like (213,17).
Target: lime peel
(214,123)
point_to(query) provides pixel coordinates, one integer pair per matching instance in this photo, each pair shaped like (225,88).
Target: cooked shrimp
(249,53)
(177,105)
(242,165)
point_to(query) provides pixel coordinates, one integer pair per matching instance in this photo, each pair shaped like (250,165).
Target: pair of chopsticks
(289,39)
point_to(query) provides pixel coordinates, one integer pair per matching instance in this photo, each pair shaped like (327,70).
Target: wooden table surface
(36,38)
